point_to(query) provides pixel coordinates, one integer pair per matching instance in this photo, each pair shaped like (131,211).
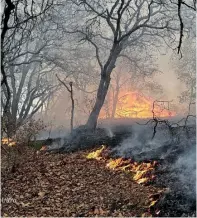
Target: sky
(168,79)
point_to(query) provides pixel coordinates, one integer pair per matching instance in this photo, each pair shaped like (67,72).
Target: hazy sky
(168,79)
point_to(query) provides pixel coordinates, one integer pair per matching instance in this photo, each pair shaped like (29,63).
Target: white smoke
(141,140)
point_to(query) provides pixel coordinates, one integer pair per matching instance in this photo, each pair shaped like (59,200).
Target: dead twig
(70,90)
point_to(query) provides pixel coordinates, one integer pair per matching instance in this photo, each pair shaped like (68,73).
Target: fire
(118,163)
(153,203)
(8,141)
(96,154)
(136,105)
(140,172)
(43,148)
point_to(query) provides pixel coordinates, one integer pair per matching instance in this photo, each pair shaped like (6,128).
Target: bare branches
(62,82)
(118,29)
(125,19)
(31,12)
(193,7)
(18,19)
(181,26)
(108,27)
(179,5)
(156,121)
(97,51)
(7,12)
(88,38)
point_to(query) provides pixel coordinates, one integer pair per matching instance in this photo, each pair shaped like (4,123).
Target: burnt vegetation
(98,108)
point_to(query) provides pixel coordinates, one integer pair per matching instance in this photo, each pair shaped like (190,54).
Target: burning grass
(96,154)
(73,185)
(141,173)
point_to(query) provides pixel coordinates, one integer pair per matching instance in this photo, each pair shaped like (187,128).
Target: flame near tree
(135,105)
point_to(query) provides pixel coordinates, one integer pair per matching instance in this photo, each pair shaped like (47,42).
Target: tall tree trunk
(103,85)
(9,6)
(101,94)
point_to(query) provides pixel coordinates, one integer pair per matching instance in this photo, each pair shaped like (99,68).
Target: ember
(141,172)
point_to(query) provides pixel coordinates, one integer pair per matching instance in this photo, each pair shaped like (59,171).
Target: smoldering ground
(176,155)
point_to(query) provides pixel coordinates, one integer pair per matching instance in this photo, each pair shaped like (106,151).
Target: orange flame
(8,141)
(136,105)
(141,172)
(43,148)
(96,154)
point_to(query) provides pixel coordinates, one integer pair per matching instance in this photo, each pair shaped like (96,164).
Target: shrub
(15,147)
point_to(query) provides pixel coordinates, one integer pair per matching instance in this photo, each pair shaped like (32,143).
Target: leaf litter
(62,185)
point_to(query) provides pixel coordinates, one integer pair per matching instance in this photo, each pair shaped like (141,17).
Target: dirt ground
(62,185)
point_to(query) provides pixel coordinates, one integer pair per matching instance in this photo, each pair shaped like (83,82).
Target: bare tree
(25,83)
(30,87)
(74,65)
(120,24)
(18,17)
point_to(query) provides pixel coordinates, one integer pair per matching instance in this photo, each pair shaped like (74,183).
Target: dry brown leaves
(71,185)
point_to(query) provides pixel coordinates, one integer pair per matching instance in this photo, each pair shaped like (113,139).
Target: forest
(98,108)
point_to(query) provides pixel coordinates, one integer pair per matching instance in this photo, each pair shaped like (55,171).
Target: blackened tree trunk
(103,86)
(9,7)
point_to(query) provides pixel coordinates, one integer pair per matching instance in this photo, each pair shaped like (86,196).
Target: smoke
(185,170)
(140,141)
(176,158)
